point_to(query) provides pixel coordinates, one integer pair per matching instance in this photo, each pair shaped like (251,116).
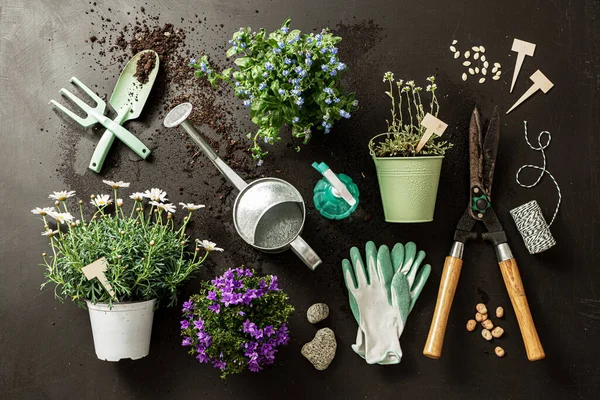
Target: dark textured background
(46,348)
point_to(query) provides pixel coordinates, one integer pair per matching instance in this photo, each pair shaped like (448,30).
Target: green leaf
(243,62)
(232,51)
(226,73)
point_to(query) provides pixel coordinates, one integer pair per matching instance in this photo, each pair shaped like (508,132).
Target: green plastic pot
(408,186)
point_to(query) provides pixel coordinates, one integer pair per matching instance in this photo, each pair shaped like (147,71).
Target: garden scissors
(482,162)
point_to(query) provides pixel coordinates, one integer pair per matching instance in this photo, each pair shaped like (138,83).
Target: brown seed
(499,351)
(499,312)
(481,317)
(497,332)
(481,308)
(471,325)
(487,324)
(486,334)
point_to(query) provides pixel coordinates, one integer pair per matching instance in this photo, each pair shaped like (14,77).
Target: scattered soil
(144,67)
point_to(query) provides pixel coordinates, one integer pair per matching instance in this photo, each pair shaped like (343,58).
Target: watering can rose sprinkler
(268,213)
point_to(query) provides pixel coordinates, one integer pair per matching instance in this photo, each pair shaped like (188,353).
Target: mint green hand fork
(96,115)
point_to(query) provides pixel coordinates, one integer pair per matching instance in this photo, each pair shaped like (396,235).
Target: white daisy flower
(192,207)
(117,185)
(43,211)
(208,245)
(62,195)
(165,207)
(137,196)
(50,233)
(62,217)
(156,194)
(102,200)
(119,202)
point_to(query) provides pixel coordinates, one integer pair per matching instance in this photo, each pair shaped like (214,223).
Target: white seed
(476,70)
(475,56)
(499,312)
(497,65)
(471,325)
(494,70)
(457,54)
(482,58)
(487,324)
(481,308)
(454,41)
(464,77)
(499,351)
(495,77)
(486,334)
(486,64)
(467,54)
(475,48)
(471,71)
(481,80)
(481,317)
(497,332)
(498,72)
(467,63)
(453,49)
(484,71)
(482,49)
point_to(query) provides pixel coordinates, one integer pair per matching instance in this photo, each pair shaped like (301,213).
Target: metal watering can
(268,213)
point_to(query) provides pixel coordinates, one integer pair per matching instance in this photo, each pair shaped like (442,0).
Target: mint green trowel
(128,99)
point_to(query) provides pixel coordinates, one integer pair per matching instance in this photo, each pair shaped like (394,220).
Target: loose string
(543,170)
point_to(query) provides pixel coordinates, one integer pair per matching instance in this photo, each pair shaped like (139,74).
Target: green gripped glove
(381,297)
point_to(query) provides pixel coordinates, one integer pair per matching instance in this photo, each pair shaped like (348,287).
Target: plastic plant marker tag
(522,48)
(433,126)
(540,82)
(340,189)
(96,270)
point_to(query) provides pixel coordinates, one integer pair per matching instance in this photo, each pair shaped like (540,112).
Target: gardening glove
(386,295)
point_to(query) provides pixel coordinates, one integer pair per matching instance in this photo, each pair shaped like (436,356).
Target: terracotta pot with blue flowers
(120,264)
(237,322)
(286,78)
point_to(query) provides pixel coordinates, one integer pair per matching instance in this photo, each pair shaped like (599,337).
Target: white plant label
(433,126)
(96,270)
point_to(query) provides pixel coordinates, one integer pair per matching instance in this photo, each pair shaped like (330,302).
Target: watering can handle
(305,253)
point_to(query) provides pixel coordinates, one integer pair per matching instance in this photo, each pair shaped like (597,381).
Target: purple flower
(268,331)
(220,364)
(273,284)
(248,273)
(212,295)
(254,366)
(249,327)
(203,358)
(187,341)
(188,305)
(199,324)
(241,313)
(216,308)
(184,324)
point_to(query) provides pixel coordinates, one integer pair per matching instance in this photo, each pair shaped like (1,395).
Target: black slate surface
(46,349)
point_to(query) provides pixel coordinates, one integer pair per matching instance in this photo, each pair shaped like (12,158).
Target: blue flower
(308,62)
(328,90)
(294,39)
(333,73)
(281,44)
(262,86)
(344,114)
(203,66)
(243,45)
(324,50)
(269,66)
(265,74)
(336,100)
(246,91)
(298,69)
(237,84)
(193,60)
(341,66)
(230,41)
(302,74)
(324,67)
(276,50)
(287,61)
(328,100)
(309,40)
(285,72)
(281,92)
(300,101)
(355,103)
(246,103)
(260,163)
(297,92)
(318,36)
(332,60)
(334,50)
(285,29)
(295,120)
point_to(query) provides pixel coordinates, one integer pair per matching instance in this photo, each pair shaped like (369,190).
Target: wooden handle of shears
(516,292)
(448,283)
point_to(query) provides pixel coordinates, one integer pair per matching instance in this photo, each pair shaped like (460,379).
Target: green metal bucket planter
(408,186)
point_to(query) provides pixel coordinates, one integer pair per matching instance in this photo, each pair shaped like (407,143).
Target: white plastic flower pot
(122,331)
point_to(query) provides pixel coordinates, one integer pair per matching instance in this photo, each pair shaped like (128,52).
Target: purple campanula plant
(272,71)
(237,322)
